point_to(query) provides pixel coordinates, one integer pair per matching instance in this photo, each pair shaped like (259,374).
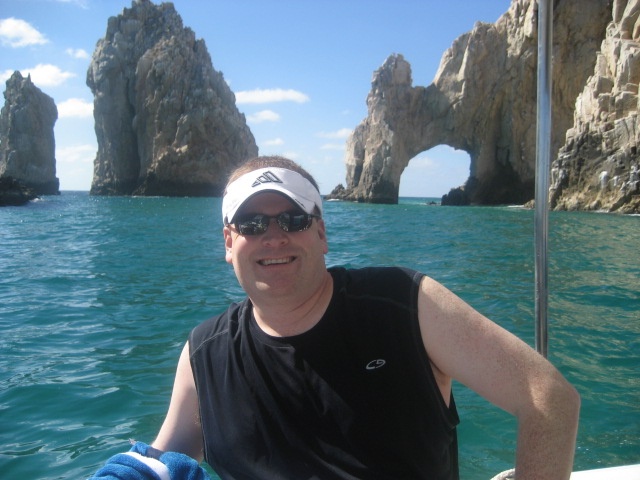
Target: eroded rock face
(598,167)
(482,101)
(27,146)
(14,194)
(165,120)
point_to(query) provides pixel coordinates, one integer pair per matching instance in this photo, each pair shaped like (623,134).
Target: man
(345,374)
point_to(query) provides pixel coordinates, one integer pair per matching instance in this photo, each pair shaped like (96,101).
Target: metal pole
(543,152)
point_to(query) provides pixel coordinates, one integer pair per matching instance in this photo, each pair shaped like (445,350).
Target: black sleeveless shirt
(352,398)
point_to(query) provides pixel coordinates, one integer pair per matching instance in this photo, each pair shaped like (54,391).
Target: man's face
(276,264)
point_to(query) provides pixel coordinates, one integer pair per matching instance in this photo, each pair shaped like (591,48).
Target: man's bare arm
(466,346)
(181,431)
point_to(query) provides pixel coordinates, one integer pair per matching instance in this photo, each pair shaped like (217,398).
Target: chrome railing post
(543,152)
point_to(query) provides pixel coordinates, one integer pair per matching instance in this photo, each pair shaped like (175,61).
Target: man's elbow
(551,398)
(562,401)
(572,400)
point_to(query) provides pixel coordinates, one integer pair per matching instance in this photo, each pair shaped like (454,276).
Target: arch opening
(434,172)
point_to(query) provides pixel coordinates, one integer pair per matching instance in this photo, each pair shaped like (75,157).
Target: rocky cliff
(27,143)
(598,167)
(165,120)
(482,101)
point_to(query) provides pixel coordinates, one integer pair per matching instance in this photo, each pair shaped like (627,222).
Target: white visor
(297,188)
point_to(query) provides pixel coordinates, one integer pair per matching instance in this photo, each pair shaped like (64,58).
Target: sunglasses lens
(253,224)
(257,224)
(294,222)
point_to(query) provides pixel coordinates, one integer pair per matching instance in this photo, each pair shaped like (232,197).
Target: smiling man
(345,373)
(275,239)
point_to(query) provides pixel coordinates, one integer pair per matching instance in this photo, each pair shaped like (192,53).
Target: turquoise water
(97,296)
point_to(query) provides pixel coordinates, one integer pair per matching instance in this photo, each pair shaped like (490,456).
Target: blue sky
(301,70)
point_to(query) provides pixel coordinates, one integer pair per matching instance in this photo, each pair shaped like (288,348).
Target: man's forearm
(547,437)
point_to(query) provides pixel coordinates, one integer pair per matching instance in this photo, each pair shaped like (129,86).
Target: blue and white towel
(143,462)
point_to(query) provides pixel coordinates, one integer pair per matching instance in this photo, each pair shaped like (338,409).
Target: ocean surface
(98,294)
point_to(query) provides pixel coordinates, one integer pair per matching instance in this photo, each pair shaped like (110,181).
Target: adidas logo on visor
(266,177)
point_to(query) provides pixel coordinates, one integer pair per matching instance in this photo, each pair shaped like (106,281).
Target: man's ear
(322,233)
(228,243)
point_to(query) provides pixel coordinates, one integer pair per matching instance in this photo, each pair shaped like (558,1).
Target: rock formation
(598,167)
(482,101)
(13,193)
(27,143)
(165,120)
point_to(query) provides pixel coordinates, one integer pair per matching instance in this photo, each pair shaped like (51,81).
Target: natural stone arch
(404,121)
(482,101)
(381,147)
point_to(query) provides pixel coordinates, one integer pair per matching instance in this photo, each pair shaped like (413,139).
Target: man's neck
(286,319)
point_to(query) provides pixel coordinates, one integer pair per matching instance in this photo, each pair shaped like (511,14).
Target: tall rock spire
(166,122)
(27,143)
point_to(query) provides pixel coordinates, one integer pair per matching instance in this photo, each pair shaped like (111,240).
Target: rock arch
(482,101)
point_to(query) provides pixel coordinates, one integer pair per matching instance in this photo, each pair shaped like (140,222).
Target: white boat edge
(624,472)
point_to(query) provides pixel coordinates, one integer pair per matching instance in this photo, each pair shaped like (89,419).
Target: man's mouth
(276,261)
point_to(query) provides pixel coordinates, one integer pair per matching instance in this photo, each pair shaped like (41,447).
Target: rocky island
(165,121)
(27,143)
(483,101)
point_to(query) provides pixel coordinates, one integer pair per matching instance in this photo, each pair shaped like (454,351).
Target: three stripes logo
(266,177)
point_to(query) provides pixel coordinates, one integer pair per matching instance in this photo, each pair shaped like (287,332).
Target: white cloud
(47,75)
(263,116)
(270,96)
(274,142)
(74,166)
(424,161)
(80,3)
(75,107)
(343,133)
(76,154)
(77,53)
(42,75)
(18,33)
(333,146)
(6,75)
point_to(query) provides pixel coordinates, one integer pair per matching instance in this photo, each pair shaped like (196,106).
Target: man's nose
(274,233)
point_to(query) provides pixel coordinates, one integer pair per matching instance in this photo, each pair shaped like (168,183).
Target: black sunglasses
(258,223)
